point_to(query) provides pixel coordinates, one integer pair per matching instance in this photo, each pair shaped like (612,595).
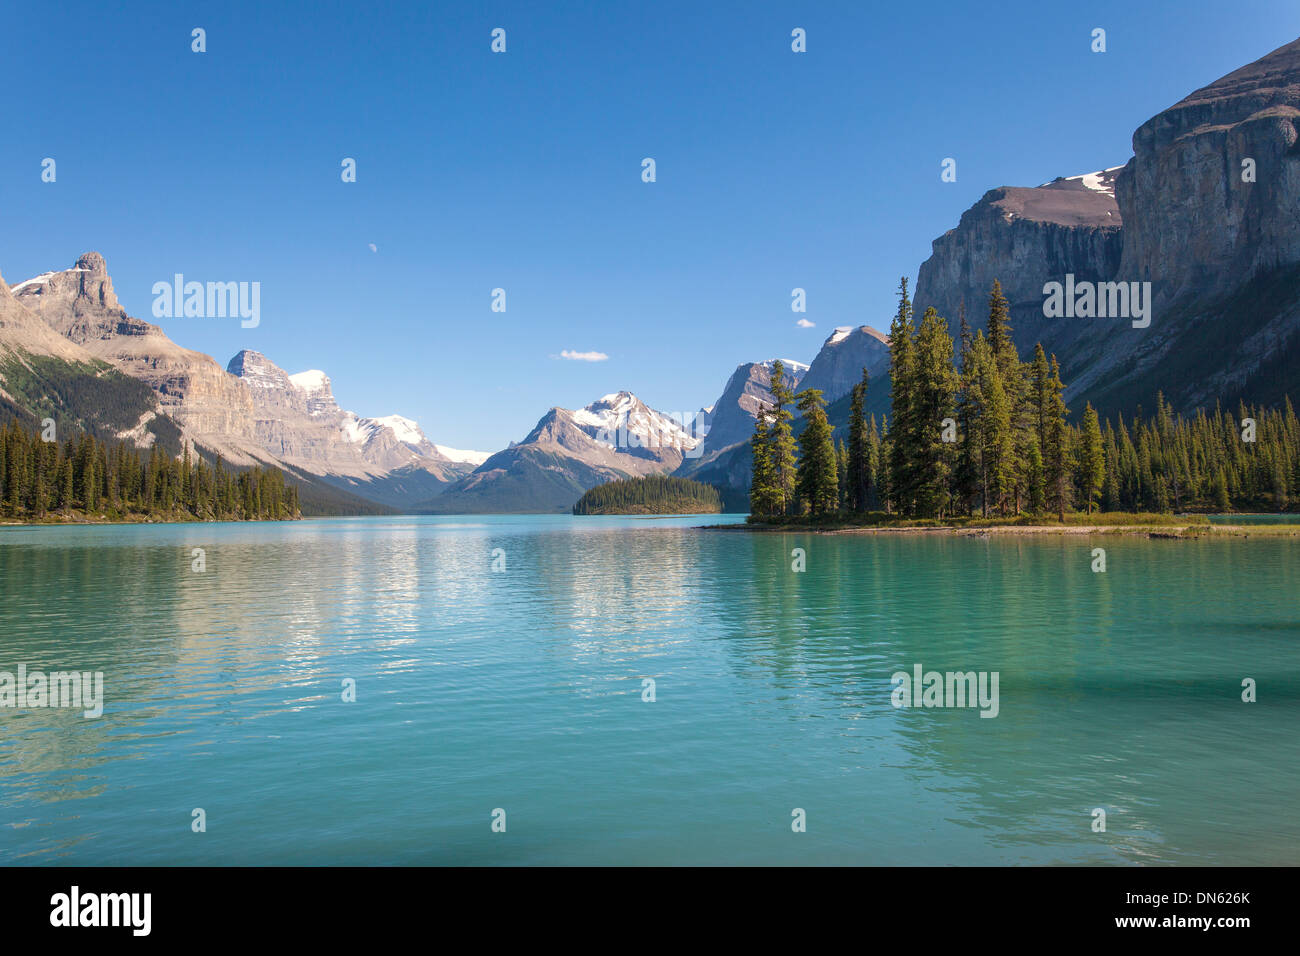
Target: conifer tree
(763,496)
(901,424)
(884,477)
(781,445)
(933,391)
(1036,479)
(1039,377)
(817,484)
(875,495)
(1092,461)
(842,471)
(1056,458)
(965,478)
(858,473)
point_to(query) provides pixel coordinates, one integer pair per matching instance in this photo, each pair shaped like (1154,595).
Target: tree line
(85,475)
(976,431)
(653,494)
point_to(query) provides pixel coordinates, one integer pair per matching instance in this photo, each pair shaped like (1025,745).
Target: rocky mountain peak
(93,262)
(258,371)
(81,290)
(843,356)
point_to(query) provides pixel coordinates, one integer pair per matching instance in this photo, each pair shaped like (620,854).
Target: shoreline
(108,522)
(1184,532)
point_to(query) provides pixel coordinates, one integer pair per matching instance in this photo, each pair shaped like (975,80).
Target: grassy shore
(1146,525)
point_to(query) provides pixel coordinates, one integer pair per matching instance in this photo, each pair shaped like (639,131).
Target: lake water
(521,689)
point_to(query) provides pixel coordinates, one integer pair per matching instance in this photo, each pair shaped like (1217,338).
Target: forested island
(651,495)
(86,479)
(984,435)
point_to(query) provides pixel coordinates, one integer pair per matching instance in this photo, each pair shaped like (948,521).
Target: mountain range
(1207,210)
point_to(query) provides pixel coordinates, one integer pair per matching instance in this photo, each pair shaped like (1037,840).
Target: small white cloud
(581,356)
(373,247)
(805,324)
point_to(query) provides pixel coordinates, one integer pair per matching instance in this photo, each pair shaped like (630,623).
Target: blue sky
(522,171)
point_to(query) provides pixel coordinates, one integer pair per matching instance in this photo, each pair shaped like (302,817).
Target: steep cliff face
(1024,237)
(1207,211)
(1194,224)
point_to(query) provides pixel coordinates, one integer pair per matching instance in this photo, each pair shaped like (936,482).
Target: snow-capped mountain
(569,451)
(299,420)
(623,421)
(252,412)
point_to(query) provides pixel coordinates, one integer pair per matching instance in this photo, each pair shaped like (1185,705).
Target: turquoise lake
(522,689)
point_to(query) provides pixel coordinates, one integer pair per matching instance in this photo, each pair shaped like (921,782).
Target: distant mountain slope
(567,452)
(732,417)
(843,356)
(297,419)
(253,412)
(44,375)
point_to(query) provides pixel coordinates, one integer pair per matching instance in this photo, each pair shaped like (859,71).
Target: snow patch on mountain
(475,458)
(312,380)
(404,428)
(789,364)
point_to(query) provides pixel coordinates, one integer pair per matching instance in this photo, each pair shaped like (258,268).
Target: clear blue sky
(522,171)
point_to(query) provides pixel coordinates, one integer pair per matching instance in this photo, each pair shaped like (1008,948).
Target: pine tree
(1034,472)
(1000,332)
(858,473)
(763,496)
(817,482)
(66,484)
(1039,380)
(933,393)
(781,445)
(875,495)
(1220,492)
(965,481)
(842,474)
(901,422)
(1016,390)
(1056,458)
(1092,460)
